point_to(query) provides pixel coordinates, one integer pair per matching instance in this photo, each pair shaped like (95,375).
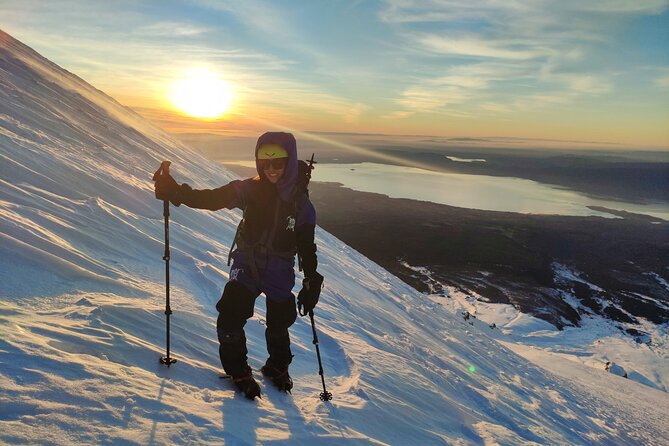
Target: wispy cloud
(539,101)
(171,29)
(417,11)
(398,115)
(476,46)
(291,99)
(460,85)
(432,94)
(585,83)
(270,21)
(481,47)
(620,6)
(663,82)
(495,107)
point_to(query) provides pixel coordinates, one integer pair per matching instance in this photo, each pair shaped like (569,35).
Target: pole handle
(164,169)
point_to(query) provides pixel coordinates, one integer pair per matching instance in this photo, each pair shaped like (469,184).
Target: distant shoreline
(596,202)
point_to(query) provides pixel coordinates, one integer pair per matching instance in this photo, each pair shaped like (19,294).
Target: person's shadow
(298,428)
(154,426)
(240,418)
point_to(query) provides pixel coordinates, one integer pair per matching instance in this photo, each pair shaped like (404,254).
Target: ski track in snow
(82,324)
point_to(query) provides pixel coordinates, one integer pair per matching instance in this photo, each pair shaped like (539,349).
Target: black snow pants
(235,307)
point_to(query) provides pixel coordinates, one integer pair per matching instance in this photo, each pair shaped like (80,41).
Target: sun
(202,94)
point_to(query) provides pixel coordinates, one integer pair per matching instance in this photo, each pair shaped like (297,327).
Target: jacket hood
(286,184)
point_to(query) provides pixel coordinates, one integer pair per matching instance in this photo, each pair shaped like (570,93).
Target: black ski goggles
(277,163)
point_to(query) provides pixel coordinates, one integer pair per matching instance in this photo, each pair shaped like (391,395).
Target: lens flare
(202,94)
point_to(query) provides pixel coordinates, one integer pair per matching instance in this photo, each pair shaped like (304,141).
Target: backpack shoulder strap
(234,240)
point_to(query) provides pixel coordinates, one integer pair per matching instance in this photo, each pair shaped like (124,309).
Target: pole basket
(167,361)
(326,396)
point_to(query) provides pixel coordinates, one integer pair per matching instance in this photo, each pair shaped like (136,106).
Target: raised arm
(232,195)
(229,196)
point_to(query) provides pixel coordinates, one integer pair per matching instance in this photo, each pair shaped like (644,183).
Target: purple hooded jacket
(279,220)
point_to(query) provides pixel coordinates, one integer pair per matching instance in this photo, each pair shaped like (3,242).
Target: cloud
(539,101)
(585,83)
(471,87)
(663,82)
(496,107)
(459,85)
(477,54)
(292,98)
(475,46)
(428,99)
(464,81)
(438,93)
(398,115)
(170,29)
(621,6)
(517,30)
(269,19)
(420,11)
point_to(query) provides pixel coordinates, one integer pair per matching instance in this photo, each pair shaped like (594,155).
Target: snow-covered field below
(595,343)
(82,323)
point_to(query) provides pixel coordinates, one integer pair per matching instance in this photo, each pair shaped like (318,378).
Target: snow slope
(81,301)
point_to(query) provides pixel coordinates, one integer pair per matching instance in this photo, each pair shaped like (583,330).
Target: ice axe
(310,165)
(164,170)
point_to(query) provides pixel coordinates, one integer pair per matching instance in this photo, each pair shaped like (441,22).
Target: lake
(472,191)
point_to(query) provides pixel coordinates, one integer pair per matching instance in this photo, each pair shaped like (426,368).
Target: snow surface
(82,324)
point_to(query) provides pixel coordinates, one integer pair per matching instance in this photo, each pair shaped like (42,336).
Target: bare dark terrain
(510,258)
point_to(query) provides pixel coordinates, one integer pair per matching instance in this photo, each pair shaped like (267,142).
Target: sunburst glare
(202,94)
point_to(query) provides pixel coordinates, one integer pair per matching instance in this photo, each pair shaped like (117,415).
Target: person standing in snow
(279,221)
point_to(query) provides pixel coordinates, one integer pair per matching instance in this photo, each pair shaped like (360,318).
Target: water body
(472,191)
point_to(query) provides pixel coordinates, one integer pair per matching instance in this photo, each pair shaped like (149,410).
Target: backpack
(304,175)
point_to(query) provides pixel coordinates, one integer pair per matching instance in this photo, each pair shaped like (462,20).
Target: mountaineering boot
(279,376)
(247,385)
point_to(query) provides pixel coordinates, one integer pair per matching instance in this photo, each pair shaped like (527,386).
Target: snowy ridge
(81,302)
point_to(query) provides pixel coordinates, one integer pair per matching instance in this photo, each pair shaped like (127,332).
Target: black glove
(311,290)
(166,187)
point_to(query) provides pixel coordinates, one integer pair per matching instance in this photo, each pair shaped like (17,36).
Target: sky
(578,70)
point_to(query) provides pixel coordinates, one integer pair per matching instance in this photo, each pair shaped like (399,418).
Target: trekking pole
(164,169)
(325,395)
